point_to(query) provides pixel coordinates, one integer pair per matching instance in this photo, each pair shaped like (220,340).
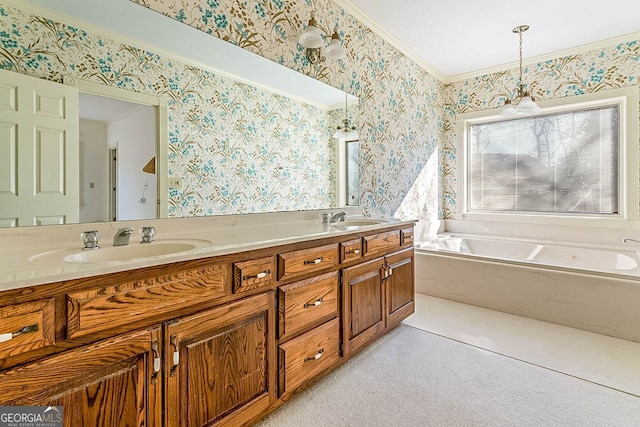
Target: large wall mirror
(210,128)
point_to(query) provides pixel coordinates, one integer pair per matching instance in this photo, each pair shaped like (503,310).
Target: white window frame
(628,187)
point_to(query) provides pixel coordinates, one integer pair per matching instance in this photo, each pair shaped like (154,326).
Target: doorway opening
(117,139)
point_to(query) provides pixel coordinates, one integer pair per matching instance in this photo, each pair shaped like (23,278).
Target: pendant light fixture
(312,40)
(346,131)
(523,104)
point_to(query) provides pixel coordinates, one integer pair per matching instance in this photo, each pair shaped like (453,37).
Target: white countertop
(35,255)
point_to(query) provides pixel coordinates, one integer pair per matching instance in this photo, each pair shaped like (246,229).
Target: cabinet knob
(313,261)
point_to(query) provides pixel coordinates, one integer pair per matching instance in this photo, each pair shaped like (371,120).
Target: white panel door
(39,151)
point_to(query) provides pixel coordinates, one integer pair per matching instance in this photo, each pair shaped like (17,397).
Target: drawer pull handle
(353,251)
(260,275)
(176,355)
(313,304)
(25,330)
(317,356)
(313,261)
(156,358)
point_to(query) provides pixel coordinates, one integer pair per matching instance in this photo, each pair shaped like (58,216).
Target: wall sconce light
(312,40)
(523,104)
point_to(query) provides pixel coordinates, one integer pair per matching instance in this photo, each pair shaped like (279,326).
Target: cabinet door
(109,383)
(363,304)
(221,364)
(400,288)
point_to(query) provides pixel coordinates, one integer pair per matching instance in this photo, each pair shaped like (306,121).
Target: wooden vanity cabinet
(113,382)
(363,316)
(220,364)
(218,341)
(400,286)
(376,296)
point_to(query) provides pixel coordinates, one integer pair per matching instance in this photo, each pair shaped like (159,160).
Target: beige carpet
(414,378)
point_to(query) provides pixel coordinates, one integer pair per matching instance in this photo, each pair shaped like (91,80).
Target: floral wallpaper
(406,117)
(237,148)
(597,70)
(399,122)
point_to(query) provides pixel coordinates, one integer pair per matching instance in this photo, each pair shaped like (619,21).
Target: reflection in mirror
(352,172)
(234,146)
(116,137)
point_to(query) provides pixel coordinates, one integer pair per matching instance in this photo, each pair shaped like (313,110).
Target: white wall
(135,137)
(94,171)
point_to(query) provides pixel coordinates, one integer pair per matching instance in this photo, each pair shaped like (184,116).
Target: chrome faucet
(122,236)
(337,217)
(627,240)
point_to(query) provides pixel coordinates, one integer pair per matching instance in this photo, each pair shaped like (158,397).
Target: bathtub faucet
(627,240)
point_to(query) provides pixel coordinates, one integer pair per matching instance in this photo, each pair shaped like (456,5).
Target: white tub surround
(591,257)
(28,255)
(581,286)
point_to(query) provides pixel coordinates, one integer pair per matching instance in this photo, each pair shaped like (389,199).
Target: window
(352,172)
(577,160)
(565,162)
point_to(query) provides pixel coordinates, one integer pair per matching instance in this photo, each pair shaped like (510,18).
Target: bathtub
(589,287)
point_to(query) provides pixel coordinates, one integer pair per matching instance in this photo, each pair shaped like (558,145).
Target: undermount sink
(351,224)
(129,252)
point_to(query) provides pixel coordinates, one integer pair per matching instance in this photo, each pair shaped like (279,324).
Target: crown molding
(613,41)
(361,16)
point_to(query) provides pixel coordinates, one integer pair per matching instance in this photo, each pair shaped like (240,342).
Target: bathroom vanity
(214,337)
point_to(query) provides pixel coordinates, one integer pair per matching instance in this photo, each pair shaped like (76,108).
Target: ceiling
(93,107)
(457,37)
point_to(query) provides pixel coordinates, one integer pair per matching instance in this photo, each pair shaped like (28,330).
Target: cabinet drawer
(306,303)
(350,250)
(308,355)
(26,327)
(406,237)
(296,263)
(381,242)
(117,304)
(256,273)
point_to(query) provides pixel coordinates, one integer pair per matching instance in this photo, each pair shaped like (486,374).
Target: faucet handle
(90,239)
(147,234)
(326,217)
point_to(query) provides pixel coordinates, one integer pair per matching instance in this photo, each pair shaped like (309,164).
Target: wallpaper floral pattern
(597,70)
(237,148)
(406,116)
(400,104)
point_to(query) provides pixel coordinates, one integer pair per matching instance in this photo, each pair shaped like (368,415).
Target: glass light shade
(509,110)
(335,50)
(311,38)
(527,106)
(341,134)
